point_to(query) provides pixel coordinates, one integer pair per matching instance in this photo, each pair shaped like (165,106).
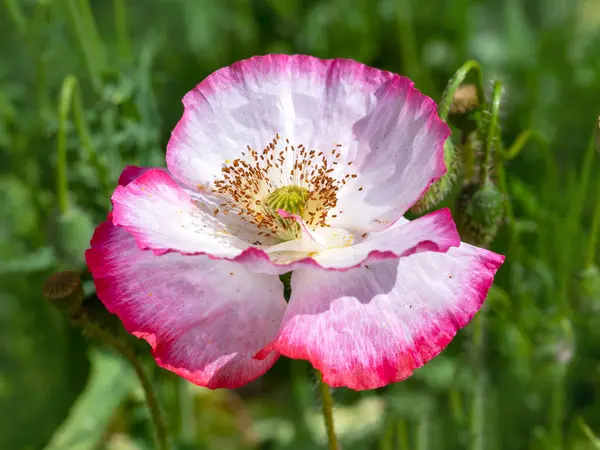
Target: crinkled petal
(204,319)
(370,326)
(162,216)
(386,131)
(435,232)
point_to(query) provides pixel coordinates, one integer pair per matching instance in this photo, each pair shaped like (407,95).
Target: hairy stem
(491,133)
(455,82)
(327,412)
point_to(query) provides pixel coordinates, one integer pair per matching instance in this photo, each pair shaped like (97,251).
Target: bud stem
(327,412)
(455,82)
(94,330)
(491,133)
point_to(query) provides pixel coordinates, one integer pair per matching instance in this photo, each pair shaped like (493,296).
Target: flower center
(291,199)
(282,176)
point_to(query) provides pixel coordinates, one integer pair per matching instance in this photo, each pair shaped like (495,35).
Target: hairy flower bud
(465,100)
(479,213)
(439,190)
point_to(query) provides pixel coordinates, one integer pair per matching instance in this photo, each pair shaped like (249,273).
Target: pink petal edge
(262,66)
(397,358)
(111,291)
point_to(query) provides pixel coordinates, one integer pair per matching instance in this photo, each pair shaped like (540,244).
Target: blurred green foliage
(89,86)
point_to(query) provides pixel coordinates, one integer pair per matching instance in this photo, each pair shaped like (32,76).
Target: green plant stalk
(411,63)
(456,406)
(586,172)
(491,136)
(123,42)
(386,442)
(557,411)
(594,440)
(402,435)
(423,435)
(16,14)
(187,412)
(455,82)
(92,31)
(590,259)
(327,407)
(509,154)
(86,139)
(89,49)
(571,230)
(64,107)
(477,410)
(93,330)
(70,96)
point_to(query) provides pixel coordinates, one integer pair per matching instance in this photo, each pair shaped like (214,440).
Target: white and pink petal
(373,325)
(204,319)
(386,132)
(163,216)
(434,232)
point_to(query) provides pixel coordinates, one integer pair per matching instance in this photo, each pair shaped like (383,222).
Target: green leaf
(111,380)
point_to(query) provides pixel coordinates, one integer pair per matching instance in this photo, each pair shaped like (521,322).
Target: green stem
(64,107)
(455,82)
(594,231)
(477,412)
(93,330)
(594,440)
(16,14)
(187,412)
(402,435)
(386,442)
(491,133)
(86,34)
(411,64)
(586,172)
(123,43)
(327,412)
(90,26)
(71,97)
(423,436)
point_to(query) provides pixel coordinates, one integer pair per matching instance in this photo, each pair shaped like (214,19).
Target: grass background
(103,80)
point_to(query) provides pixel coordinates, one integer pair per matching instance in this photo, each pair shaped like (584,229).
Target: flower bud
(464,100)
(65,291)
(465,111)
(479,213)
(439,190)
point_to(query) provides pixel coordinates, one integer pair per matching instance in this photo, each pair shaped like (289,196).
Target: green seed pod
(65,291)
(479,213)
(439,190)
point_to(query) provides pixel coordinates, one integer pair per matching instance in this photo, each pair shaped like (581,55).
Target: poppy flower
(292,164)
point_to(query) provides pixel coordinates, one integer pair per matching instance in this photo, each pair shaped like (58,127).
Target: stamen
(293,178)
